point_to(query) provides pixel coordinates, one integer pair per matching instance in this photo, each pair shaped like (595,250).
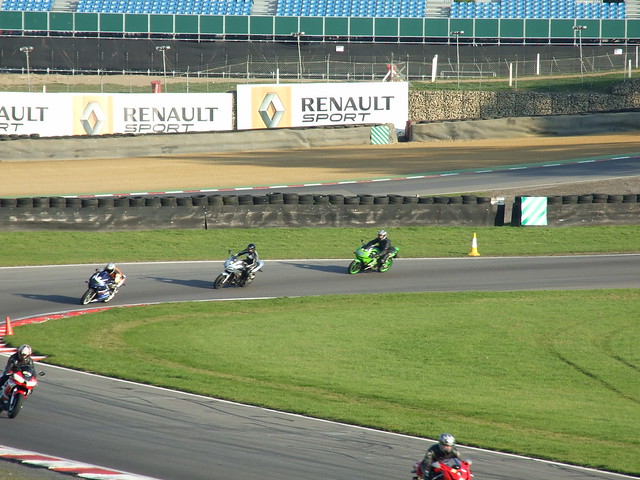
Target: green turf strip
(54,247)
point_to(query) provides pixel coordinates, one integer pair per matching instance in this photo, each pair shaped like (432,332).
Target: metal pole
(27,50)
(297,36)
(579,29)
(457,33)
(163,49)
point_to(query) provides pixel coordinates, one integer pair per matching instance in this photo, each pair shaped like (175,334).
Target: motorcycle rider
(384,246)
(114,273)
(20,358)
(443,450)
(252,259)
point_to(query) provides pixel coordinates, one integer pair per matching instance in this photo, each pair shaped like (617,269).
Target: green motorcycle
(367,258)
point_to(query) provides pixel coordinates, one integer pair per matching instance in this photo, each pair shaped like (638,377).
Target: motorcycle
(101,288)
(18,386)
(236,273)
(367,259)
(449,469)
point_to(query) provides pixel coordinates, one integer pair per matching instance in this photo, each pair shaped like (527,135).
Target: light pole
(27,50)
(163,49)
(579,29)
(457,33)
(297,36)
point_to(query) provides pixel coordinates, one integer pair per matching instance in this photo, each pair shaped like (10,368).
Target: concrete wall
(124,146)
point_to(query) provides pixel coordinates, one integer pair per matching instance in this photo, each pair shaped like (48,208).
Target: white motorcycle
(236,272)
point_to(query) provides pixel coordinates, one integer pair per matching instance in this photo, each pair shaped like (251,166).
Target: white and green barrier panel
(533,211)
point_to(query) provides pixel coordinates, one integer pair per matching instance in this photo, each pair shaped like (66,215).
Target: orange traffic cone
(474,247)
(8,327)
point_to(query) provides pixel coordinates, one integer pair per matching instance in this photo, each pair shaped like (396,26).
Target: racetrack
(195,172)
(172,436)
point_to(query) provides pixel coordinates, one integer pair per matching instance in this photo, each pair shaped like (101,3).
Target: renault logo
(93,118)
(271,110)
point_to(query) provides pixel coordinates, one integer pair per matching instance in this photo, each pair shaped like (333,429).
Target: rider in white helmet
(384,246)
(444,449)
(21,358)
(117,277)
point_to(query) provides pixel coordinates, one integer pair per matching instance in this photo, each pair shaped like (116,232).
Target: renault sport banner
(318,104)
(61,114)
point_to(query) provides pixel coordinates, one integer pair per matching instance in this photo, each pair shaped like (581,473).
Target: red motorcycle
(449,469)
(18,386)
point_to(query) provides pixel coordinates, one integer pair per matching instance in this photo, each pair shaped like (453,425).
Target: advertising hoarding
(62,114)
(321,104)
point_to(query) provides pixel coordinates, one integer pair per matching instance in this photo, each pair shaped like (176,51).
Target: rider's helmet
(24,352)
(110,267)
(382,234)
(251,247)
(446,441)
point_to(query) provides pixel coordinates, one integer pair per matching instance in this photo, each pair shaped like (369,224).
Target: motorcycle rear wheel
(219,281)
(355,267)
(386,265)
(87,297)
(16,405)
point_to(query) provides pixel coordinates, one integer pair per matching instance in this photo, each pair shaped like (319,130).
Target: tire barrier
(88,202)
(309,210)
(230,200)
(200,200)
(57,202)
(121,202)
(169,201)
(215,200)
(292,199)
(24,202)
(41,202)
(336,199)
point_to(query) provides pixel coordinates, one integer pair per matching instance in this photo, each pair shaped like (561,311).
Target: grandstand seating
(538,9)
(544,9)
(352,8)
(27,5)
(186,7)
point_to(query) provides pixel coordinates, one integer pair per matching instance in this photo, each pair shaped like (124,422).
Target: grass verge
(548,374)
(59,247)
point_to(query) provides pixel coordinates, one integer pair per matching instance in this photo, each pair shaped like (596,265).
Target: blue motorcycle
(101,288)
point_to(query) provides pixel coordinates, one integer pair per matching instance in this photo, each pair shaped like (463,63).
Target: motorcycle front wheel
(355,267)
(219,281)
(16,405)
(87,297)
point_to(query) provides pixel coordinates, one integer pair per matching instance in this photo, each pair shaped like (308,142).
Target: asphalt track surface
(175,436)
(481,179)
